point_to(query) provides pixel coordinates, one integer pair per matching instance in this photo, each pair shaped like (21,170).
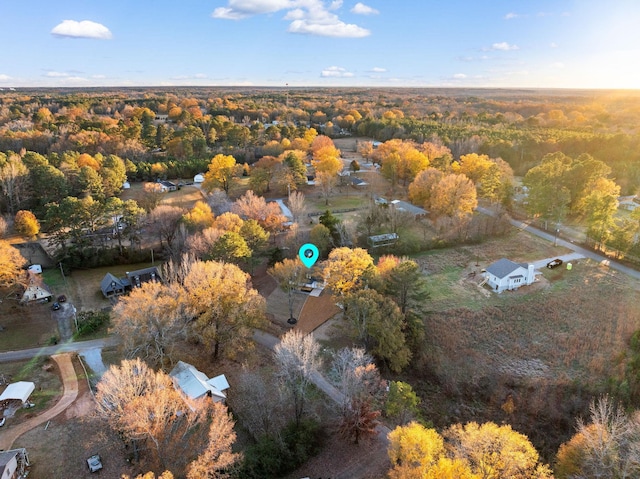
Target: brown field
(25,326)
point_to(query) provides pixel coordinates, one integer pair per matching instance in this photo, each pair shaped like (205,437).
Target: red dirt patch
(316,311)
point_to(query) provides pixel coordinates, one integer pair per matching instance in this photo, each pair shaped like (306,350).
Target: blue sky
(385,43)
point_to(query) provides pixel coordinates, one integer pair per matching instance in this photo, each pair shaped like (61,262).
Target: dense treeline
(518,126)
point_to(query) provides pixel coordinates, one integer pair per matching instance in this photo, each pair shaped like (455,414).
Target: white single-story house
(37,290)
(13,463)
(199,178)
(194,384)
(505,275)
(166,186)
(19,391)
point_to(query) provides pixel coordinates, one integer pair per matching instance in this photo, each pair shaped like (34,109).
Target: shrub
(90,321)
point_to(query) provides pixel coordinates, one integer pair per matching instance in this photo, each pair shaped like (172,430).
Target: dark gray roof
(5,457)
(145,271)
(504,267)
(105,284)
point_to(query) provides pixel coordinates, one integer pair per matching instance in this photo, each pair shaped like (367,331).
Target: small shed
(199,178)
(18,391)
(387,239)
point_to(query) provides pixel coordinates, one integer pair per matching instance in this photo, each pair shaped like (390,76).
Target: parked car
(94,463)
(28,405)
(55,306)
(62,298)
(554,263)
(2,421)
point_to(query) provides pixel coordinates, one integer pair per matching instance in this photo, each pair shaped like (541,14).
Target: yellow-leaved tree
(225,306)
(222,170)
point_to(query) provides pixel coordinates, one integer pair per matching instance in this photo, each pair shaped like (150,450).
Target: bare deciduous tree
(357,378)
(297,359)
(297,206)
(259,410)
(164,220)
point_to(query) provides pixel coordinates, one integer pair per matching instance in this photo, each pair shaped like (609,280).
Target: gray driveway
(577,249)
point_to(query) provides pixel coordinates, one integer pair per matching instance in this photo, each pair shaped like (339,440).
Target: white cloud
(98,77)
(362,9)
(53,74)
(511,16)
(504,46)
(378,69)
(337,29)
(553,45)
(83,29)
(312,17)
(4,77)
(459,76)
(335,72)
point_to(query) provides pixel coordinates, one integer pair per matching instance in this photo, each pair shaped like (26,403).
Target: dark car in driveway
(554,263)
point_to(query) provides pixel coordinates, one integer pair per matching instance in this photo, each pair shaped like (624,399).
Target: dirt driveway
(70,381)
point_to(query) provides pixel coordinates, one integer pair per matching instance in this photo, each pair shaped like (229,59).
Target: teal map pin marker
(308,254)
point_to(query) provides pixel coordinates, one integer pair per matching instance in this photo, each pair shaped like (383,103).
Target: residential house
(166,186)
(114,286)
(13,463)
(506,275)
(36,290)
(194,384)
(413,210)
(146,275)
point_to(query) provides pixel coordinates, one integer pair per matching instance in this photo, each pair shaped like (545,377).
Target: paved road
(9,433)
(69,347)
(375,458)
(583,251)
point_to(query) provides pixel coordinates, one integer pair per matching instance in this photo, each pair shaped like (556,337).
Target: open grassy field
(548,346)
(25,326)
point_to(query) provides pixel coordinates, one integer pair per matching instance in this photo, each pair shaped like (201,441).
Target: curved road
(8,435)
(578,249)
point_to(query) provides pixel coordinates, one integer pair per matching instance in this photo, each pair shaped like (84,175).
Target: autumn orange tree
(151,320)
(11,263)
(346,270)
(221,173)
(493,451)
(145,408)
(225,306)
(607,445)
(26,224)
(472,451)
